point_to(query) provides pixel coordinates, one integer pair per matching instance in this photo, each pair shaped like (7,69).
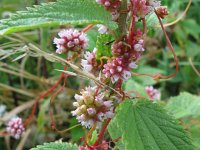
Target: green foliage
(41,115)
(62,12)
(77,132)
(103,45)
(146,126)
(93,138)
(134,87)
(56,146)
(184,105)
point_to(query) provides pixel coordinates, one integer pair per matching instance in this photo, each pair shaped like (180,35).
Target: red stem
(53,124)
(171,48)
(28,120)
(101,134)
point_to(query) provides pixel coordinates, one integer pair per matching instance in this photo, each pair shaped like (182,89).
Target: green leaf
(146,126)
(77,132)
(135,88)
(56,146)
(94,138)
(151,20)
(92,36)
(41,115)
(103,46)
(62,12)
(184,105)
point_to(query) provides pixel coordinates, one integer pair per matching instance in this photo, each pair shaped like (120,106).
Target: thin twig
(181,16)
(23,140)
(23,92)
(74,67)
(193,67)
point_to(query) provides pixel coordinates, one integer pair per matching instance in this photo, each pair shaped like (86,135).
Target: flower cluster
(162,12)
(70,40)
(153,94)
(118,48)
(112,6)
(15,127)
(137,44)
(89,63)
(118,68)
(144,7)
(92,107)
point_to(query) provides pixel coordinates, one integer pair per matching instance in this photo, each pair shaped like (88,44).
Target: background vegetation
(22,77)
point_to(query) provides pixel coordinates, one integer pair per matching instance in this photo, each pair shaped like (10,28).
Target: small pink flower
(102,28)
(91,111)
(153,94)
(70,40)
(154,3)
(139,47)
(118,68)
(15,127)
(118,48)
(162,11)
(112,6)
(89,63)
(108,103)
(115,15)
(142,8)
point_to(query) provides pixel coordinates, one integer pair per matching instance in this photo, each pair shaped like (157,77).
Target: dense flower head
(162,11)
(144,7)
(153,93)
(118,48)
(15,127)
(112,6)
(137,44)
(89,63)
(70,40)
(118,68)
(92,107)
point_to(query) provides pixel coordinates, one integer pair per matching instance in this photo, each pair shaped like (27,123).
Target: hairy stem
(123,18)
(101,134)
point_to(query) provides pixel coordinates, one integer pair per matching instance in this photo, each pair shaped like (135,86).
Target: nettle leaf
(77,12)
(184,105)
(146,126)
(103,45)
(56,146)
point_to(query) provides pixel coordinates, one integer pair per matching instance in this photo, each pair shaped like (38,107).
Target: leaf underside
(146,126)
(62,12)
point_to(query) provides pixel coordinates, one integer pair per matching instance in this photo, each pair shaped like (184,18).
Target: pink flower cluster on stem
(118,68)
(15,127)
(153,93)
(112,6)
(70,40)
(92,108)
(89,64)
